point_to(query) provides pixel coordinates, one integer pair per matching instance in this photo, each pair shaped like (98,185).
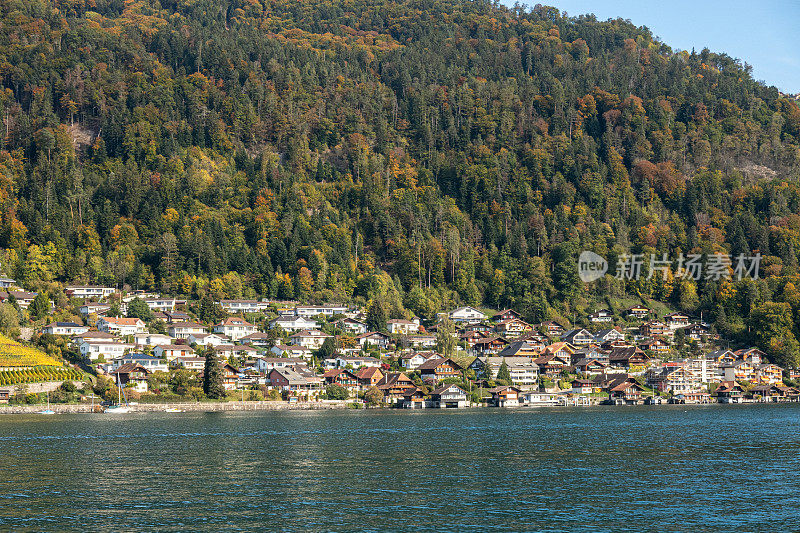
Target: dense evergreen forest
(418,154)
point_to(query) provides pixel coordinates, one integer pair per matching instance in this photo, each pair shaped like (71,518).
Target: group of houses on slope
(619,355)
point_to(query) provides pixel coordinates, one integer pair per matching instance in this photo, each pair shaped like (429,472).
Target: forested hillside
(418,153)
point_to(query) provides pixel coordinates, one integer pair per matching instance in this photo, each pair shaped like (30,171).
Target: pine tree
(503,373)
(212,376)
(210,311)
(376,316)
(487,369)
(327,350)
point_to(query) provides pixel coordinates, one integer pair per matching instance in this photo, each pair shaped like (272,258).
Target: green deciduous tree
(336,392)
(40,307)
(373,396)
(137,308)
(446,338)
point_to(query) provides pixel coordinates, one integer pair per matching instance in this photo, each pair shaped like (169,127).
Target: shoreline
(297,406)
(185,406)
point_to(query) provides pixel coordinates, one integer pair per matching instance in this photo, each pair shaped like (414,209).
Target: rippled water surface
(667,468)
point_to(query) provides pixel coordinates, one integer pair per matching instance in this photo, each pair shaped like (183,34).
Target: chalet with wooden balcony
(505,396)
(653,328)
(551,328)
(490,345)
(449,397)
(628,356)
(637,312)
(369,376)
(601,316)
(590,365)
(578,337)
(393,385)
(513,327)
(413,398)
(521,349)
(676,320)
(342,377)
(626,392)
(506,314)
(436,370)
(729,392)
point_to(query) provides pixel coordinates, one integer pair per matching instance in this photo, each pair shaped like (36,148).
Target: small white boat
(173,410)
(119,408)
(47,411)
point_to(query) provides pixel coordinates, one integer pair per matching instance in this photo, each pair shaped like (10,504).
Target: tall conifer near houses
(212,376)
(503,373)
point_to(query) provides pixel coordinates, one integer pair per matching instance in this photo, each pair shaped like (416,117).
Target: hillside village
(156,348)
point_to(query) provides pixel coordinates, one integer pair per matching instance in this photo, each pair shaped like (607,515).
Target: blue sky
(765,34)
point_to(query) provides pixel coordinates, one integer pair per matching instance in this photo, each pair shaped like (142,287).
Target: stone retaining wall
(204,406)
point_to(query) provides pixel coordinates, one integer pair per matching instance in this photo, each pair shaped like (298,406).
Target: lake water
(662,468)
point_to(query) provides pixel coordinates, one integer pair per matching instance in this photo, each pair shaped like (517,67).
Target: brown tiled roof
(127,368)
(443,388)
(367,372)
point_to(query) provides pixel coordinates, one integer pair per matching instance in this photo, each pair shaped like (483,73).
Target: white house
(402,327)
(24,298)
(265,364)
(352,325)
(94,349)
(412,360)
(244,306)
(121,326)
(207,339)
(151,339)
(6,282)
(523,371)
(419,341)
(309,311)
(601,316)
(225,351)
(357,362)
(466,315)
(64,328)
(310,338)
(89,291)
(257,338)
(152,364)
(172,351)
(291,351)
(578,337)
(182,330)
(235,328)
(449,396)
(609,335)
(293,323)
(95,308)
(93,335)
(191,362)
(374,338)
(164,305)
(676,320)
